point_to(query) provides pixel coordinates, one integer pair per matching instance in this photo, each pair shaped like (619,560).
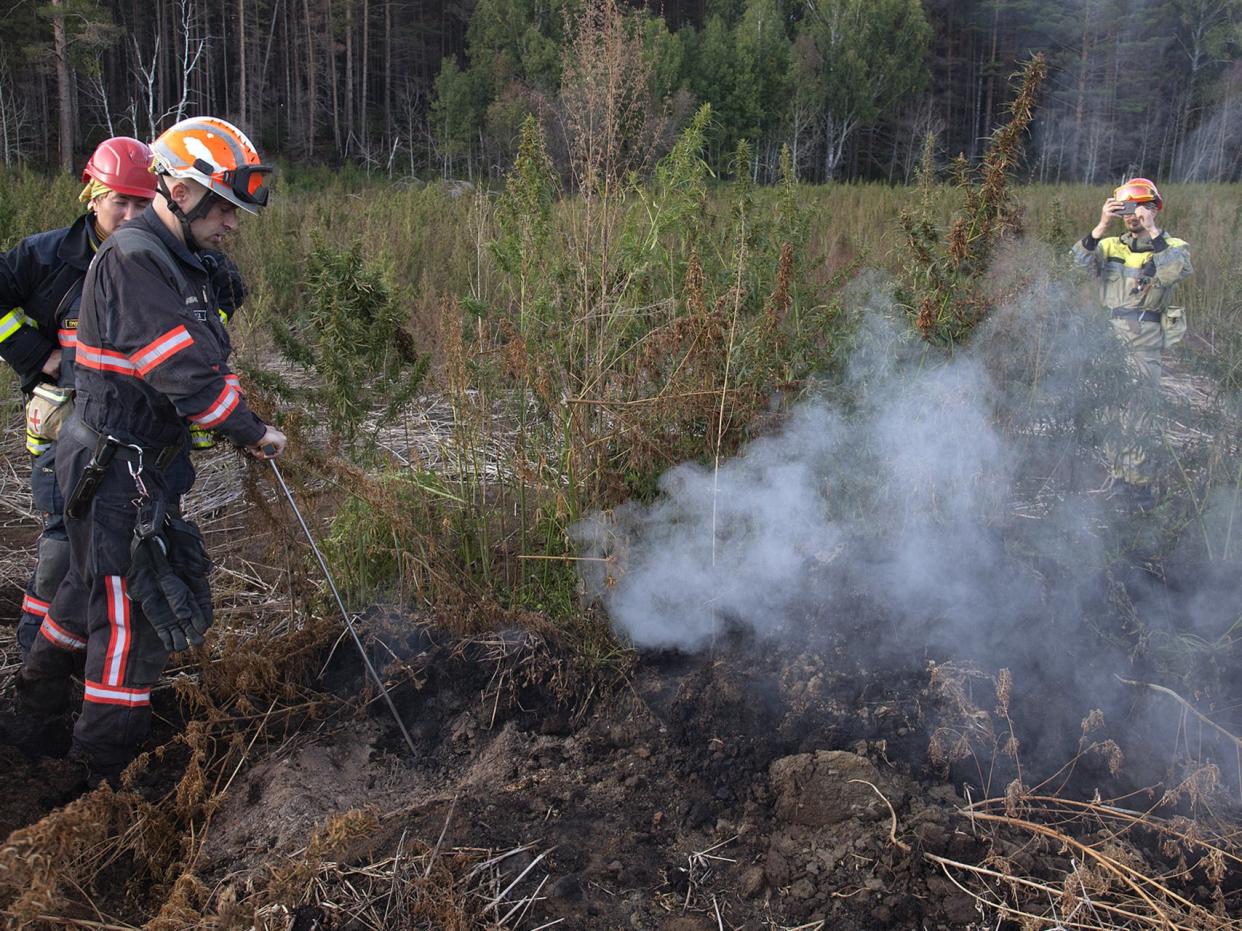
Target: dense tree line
(851,87)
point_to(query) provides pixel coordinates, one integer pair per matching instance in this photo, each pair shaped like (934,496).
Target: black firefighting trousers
(91,612)
(53,549)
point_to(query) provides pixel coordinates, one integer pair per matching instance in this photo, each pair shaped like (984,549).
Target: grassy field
(432,241)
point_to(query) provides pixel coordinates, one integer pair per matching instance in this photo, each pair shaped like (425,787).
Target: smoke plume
(956,497)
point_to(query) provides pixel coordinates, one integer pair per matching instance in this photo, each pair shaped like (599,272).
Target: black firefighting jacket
(36,276)
(41,293)
(151,347)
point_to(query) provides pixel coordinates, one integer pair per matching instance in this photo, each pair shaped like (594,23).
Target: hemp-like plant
(943,292)
(353,338)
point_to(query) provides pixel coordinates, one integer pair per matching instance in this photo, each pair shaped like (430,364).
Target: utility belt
(1145,316)
(106,449)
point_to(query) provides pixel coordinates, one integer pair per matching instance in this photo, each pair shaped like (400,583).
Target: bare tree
(64,85)
(14,115)
(193,45)
(147,89)
(99,90)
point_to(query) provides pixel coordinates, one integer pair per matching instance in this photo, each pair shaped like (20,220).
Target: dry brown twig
(892,828)
(1124,889)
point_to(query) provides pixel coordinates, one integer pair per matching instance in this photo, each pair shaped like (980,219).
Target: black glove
(166,600)
(1145,276)
(187,554)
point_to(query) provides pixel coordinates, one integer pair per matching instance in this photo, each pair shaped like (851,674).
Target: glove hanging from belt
(168,577)
(187,554)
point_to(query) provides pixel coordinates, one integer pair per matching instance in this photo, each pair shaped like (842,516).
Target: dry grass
(1121,868)
(1057,862)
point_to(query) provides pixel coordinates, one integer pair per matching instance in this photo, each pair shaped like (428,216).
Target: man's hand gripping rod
(327,574)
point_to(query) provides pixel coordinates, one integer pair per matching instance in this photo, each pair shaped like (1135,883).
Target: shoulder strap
(74,292)
(137,239)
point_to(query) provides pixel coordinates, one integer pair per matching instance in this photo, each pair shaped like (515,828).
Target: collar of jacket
(75,249)
(151,220)
(1136,242)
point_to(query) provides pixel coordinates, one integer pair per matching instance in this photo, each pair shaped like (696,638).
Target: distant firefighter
(1137,273)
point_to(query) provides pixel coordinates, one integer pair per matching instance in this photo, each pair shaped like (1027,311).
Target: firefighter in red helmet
(40,291)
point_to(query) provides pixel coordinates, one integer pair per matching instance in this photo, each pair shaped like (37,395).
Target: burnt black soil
(750,778)
(680,761)
(746,779)
(714,781)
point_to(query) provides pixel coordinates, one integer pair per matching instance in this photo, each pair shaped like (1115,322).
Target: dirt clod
(824,788)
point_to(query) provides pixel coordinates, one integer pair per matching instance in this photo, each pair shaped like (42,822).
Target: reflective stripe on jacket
(35,277)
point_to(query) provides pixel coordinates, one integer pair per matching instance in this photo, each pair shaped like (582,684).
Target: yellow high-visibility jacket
(1135,273)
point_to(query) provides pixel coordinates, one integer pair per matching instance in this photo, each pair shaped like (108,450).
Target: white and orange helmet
(217,155)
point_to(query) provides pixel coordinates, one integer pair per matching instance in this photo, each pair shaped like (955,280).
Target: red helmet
(122,164)
(1141,191)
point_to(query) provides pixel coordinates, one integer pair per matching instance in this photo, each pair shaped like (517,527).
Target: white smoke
(954,499)
(895,485)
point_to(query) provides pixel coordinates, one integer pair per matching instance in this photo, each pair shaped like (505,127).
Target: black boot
(98,769)
(45,697)
(40,725)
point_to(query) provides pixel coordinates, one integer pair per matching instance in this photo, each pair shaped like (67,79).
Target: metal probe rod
(327,574)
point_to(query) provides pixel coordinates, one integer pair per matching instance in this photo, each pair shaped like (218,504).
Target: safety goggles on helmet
(1139,191)
(219,156)
(248,183)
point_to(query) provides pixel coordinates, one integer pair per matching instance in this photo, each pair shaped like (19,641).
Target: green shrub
(351,333)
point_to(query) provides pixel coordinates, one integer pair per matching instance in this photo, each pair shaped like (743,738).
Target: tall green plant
(943,289)
(524,216)
(352,336)
(670,218)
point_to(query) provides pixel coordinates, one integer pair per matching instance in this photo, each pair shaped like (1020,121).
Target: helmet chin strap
(186,217)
